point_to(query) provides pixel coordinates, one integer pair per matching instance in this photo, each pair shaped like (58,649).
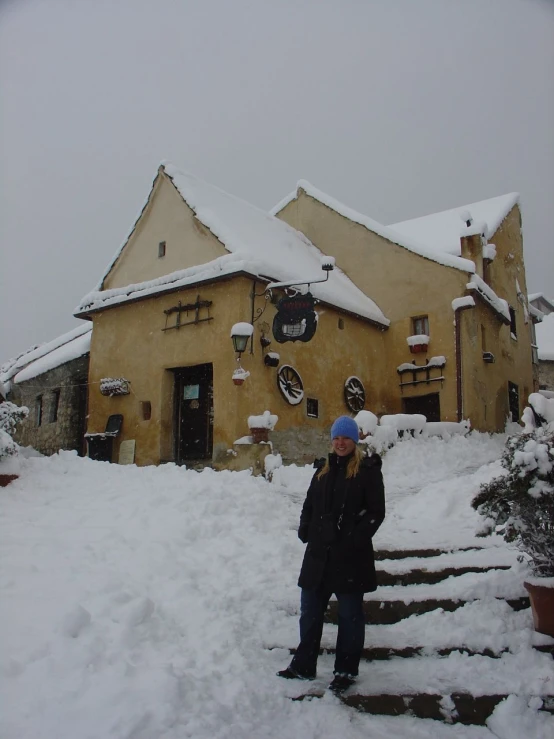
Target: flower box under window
(418,343)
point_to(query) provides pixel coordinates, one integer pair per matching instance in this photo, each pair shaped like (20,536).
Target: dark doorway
(513,400)
(193,413)
(428,405)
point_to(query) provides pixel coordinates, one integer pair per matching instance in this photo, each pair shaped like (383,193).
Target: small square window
(420,326)
(161,249)
(312,408)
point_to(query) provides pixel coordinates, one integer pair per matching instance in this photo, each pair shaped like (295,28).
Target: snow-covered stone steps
(451,708)
(370,654)
(454,688)
(417,553)
(429,577)
(393,611)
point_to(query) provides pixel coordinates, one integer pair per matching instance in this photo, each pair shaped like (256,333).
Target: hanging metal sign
(296,319)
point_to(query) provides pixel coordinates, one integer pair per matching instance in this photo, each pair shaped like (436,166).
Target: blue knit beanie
(345,426)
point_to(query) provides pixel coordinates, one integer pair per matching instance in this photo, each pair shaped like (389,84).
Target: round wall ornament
(290,384)
(354,394)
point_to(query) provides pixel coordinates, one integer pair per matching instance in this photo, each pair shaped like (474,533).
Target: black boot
(341,682)
(291,674)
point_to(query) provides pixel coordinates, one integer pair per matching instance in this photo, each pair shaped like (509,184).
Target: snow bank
(158,602)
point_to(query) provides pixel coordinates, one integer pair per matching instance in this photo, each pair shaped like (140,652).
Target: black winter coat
(338,520)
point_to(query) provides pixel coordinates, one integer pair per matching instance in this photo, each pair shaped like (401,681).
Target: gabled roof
(64,348)
(411,243)
(258,244)
(441,232)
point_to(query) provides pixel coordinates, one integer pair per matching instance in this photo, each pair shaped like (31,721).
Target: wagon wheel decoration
(354,394)
(290,384)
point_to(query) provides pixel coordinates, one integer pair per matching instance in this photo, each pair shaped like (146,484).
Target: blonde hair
(352,468)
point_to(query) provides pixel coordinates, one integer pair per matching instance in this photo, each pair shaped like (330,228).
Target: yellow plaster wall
(405,285)
(166,218)
(128,341)
(486,385)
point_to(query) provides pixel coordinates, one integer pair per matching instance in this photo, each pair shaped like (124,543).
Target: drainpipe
(459,385)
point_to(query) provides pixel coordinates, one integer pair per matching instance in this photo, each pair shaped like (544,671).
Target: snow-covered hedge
(380,435)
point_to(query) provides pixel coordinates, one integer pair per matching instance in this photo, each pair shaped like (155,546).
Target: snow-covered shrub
(265,421)
(367,422)
(10,416)
(520,503)
(8,447)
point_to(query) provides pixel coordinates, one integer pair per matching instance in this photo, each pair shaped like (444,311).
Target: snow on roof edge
(386,232)
(283,203)
(77,347)
(209,272)
(25,359)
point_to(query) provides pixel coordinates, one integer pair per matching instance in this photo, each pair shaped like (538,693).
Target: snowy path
(141,603)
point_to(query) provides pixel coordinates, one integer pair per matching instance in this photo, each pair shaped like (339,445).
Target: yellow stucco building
(401,325)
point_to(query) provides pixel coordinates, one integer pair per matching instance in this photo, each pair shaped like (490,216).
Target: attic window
(161,249)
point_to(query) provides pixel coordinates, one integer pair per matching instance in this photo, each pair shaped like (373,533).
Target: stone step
(393,611)
(461,708)
(454,708)
(428,577)
(370,654)
(418,553)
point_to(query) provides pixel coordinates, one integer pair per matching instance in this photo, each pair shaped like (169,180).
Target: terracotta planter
(238,380)
(6,479)
(417,348)
(259,435)
(542,606)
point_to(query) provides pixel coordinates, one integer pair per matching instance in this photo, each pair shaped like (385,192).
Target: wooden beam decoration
(179,309)
(416,370)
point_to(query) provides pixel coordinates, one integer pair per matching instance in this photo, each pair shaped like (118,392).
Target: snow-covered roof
(544,304)
(39,359)
(441,232)
(412,243)
(258,244)
(545,337)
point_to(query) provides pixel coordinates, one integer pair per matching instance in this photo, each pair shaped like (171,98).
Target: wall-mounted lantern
(240,334)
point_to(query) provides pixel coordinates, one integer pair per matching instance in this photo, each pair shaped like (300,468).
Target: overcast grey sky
(398,108)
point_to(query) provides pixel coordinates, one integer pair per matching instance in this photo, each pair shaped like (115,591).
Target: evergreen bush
(520,503)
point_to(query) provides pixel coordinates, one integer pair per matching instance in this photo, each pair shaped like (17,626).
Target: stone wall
(301,445)
(546,374)
(55,430)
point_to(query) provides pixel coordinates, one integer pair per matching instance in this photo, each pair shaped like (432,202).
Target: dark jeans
(351,633)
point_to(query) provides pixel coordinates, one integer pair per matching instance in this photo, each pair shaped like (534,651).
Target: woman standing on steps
(344,507)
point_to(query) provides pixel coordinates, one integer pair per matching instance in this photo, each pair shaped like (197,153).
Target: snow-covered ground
(158,603)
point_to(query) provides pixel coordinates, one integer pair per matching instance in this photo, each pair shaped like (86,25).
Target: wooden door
(194,412)
(428,405)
